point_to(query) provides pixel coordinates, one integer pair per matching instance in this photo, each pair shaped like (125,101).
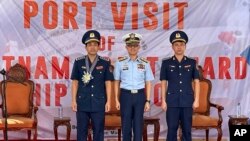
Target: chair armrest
(220,108)
(35,109)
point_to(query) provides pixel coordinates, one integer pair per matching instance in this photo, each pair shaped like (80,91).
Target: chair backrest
(18,92)
(204,97)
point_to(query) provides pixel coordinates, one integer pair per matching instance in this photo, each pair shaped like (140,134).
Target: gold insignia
(122,58)
(144,60)
(132,35)
(177,35)
(91,35)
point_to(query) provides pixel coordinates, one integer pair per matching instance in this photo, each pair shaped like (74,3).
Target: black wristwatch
(148,101)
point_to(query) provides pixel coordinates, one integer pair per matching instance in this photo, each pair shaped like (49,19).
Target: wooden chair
(21,113)
(201,116)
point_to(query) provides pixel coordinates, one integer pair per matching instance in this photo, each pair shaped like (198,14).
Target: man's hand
(195,104)
(164,105)
(74,106)
(117,104)
(107,106)
(146,107)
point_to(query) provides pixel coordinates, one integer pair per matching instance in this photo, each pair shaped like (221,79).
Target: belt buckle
(134,91)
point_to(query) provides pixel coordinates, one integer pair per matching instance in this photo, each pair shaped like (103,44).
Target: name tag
(125,67)
(187,66)
(99,67)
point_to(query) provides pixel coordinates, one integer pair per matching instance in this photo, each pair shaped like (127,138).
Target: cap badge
(177,35)
(132,35)
(91,35)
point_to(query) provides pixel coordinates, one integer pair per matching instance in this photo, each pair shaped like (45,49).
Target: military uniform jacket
(179,77)
(133,74)
(92,97)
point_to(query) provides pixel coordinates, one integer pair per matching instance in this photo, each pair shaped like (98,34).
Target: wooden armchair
(21,113)
(201,115)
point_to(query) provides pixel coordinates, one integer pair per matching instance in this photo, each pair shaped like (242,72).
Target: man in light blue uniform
(132,74)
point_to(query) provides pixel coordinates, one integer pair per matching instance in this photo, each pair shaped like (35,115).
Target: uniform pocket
(172,99)
(189,99)
(100,100)
(188,69)
(81,97)
(141,75)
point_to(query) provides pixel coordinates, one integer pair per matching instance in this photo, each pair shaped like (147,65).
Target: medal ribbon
(89,70)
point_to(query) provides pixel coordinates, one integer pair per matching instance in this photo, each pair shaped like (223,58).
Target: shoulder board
(193,58)
(80,58)
(122,58)
(166,58)
(144,60)
(104,58)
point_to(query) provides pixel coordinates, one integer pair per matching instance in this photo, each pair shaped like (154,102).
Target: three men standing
(91,88)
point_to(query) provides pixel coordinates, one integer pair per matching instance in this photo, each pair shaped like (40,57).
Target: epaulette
(79,58)
(166,58)
(104,58)
(143,59)
(122,58)
(193,58)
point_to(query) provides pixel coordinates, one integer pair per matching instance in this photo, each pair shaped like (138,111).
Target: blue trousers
(176,116)
(97,121)
(132,109)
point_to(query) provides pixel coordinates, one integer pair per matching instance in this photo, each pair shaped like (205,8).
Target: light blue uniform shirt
(133,73)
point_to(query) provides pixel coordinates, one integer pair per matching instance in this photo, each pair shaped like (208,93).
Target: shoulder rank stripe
(79,58)
(166,58)
(193,58)
(105,58)
(122,58)
(144,60)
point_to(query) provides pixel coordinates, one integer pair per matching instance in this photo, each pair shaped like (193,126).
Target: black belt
(135,91)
